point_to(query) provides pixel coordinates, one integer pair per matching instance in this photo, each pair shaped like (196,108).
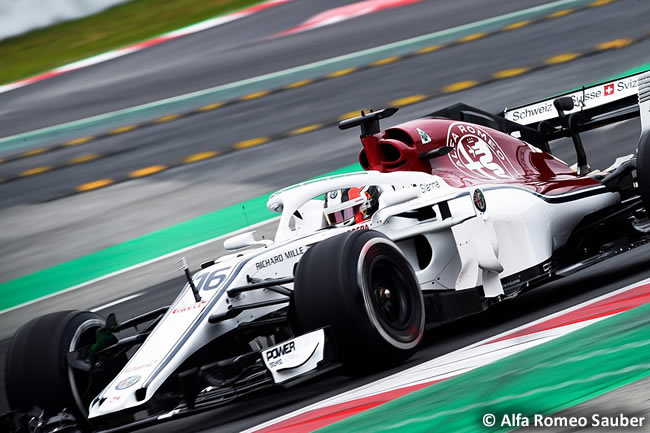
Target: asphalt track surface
(229,53)
(40,229)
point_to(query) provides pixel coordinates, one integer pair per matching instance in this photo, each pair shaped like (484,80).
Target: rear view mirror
(391,198)
(244,240)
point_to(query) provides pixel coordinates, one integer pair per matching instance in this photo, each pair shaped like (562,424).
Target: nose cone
(114,399)
(183,329)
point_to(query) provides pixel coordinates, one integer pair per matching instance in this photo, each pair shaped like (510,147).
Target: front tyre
(36,369)
(362,286)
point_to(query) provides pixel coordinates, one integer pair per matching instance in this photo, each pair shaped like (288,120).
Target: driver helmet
(346,207)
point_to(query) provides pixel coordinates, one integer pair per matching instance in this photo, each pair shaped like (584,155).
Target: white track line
(119,301)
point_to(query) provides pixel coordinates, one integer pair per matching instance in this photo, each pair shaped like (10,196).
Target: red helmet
(351,206)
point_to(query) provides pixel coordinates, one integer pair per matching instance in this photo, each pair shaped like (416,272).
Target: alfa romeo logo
(129,381)
(476,154)
(479,200)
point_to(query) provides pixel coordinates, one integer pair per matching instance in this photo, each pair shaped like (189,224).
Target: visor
(342,215)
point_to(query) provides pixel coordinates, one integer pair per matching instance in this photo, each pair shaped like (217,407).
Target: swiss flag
(609,89)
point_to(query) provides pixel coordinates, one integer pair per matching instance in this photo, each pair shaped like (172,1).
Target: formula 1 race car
(456,211)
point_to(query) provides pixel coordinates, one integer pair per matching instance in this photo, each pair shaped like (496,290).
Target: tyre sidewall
(36,369)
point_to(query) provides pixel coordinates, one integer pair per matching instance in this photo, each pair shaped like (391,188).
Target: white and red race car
(455,212)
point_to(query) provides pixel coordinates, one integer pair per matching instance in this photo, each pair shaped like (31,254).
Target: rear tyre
(36,369)
(643,169)
(362,286)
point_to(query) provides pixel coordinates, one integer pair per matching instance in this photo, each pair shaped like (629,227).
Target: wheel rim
(398,317)
(387,292)
(75,343)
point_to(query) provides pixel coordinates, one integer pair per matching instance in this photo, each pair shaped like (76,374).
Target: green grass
(41,50)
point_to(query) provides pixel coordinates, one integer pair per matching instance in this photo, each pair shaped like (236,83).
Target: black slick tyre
(361,285)
(36,368)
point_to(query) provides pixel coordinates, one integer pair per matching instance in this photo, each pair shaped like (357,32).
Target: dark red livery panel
(478,155)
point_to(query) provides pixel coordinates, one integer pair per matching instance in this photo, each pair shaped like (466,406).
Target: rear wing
(540,122)
(568,114)
(595,100)
(582,110)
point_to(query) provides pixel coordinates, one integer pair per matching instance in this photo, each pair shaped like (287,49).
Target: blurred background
(126,128)
(24,16)
(122,118)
